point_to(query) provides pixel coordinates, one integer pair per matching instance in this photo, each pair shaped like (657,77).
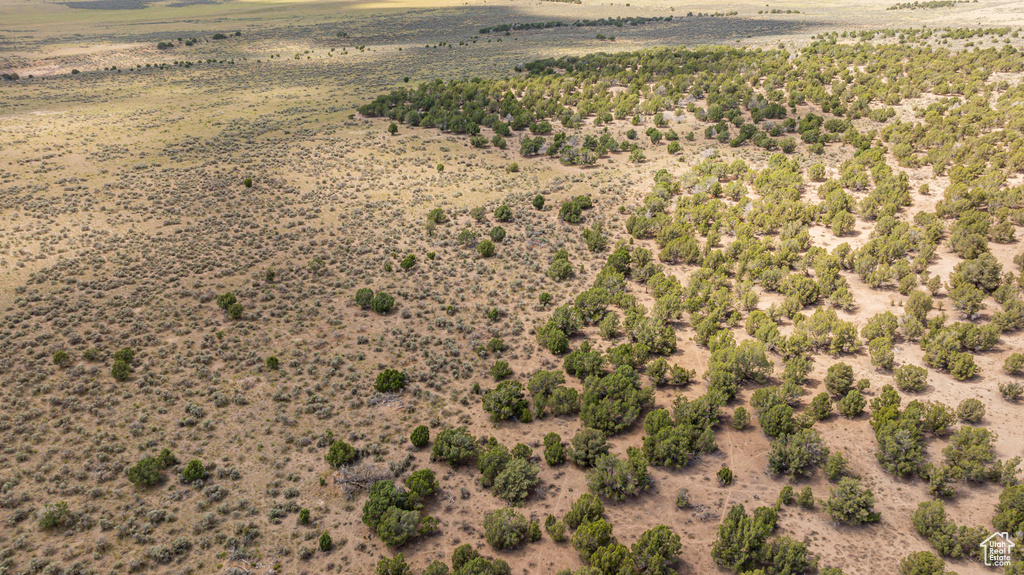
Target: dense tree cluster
(674,440)
(393,512)
(736,232)
(745,544)
(509,474)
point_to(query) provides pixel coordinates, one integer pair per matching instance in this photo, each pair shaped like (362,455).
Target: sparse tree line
(617,22)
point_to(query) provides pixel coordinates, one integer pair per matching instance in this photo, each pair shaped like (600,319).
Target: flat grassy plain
(123,215)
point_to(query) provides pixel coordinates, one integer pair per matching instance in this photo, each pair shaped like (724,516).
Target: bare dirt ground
(123,214)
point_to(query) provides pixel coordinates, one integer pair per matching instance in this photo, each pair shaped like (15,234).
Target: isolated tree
(125,354)
(911,378)
(420,436)
(971,410)
(590,537)
(554,450)
(516,480)
(55,516)
(839,379)
(506,401)
(325,542)
(587,446)
(146,472)
(881,351)
(821,406)
(226,300)
(382,303)
(62,359)
(851,504)
(505,528)
(340,453)
(797,454)
(194,471)
(657,551)
(585,509)
(922,563)
(454,445)
(1014,364)
(421,484)
(485,248)
(390,381)
(971,453)
(836,467)
(364,297)
(437,216)
(120,370)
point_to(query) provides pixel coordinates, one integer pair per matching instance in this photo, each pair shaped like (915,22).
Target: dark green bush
(454,445)
(505,528)
(724,476)
(62,359)
(851,504)
(585,509)
(325,542)
(420,436)
(616,479)
(194,471)
(485,248)
(922,563)
(382,303)
(554,451)
(364,296)
(340,453)
(55,516)
(590,537)
(501,370)
(657,551)
(120,370)
(797,454)
(390,381)
(396,565)
(146,472)
(911,378)
(516,480)
(839,379)
(971,410)
(506,401)
(587,446)
(226,300)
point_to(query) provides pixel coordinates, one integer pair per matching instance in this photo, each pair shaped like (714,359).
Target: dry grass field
(124,214)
